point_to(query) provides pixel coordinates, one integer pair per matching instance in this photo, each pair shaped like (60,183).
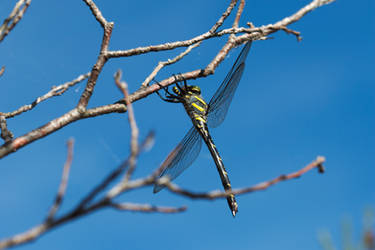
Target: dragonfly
(203,115)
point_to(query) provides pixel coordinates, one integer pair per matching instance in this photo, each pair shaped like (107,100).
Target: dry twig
(64,182)
(15,16)
(168,62)
(133,126)
(318,163)
(55,91)
(146,208)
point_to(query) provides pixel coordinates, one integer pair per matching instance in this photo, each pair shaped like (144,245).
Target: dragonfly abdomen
(220,167)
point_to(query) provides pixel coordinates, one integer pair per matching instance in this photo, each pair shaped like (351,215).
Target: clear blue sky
(295,101)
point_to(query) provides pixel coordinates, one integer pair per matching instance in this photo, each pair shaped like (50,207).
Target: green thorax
(193,102)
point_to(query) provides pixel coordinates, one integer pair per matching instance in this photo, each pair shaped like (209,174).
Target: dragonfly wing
(220,102)
(181,157)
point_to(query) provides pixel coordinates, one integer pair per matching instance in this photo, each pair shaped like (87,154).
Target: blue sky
(295,101)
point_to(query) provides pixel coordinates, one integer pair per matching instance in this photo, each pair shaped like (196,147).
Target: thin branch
(63,183)
(145,208)
(168,62)
(223,16)
(102,58)
(255,33)
(148,141)
(293,32)
(55,91)
(96,69)
(24,237)
(133,126)
(239,13)
(318,163)
(5,133)
(15,16)
(96,12)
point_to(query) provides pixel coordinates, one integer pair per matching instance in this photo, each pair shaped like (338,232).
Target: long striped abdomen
(220,167)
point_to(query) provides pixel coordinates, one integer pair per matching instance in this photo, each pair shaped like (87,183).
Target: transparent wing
(220,102)
(182,156)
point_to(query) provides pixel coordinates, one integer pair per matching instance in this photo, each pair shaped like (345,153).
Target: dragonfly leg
(169,97)
(182,90)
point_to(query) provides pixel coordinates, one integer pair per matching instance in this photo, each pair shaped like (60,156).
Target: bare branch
(168,62)
(133,126)
(40,132)
(293,32)
(145,208)
(114,174)
(55,91)
(318,163)
(24,237)
(97,68)
(239,13)
(96,12)
(15,16)
(252,33)
(63,183)
(223,16)
(102,58)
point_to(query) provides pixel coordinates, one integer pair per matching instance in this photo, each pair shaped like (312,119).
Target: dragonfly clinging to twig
(203,115)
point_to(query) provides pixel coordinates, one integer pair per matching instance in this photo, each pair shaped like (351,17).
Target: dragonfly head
(190,89)
(186,89)
(194,90)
